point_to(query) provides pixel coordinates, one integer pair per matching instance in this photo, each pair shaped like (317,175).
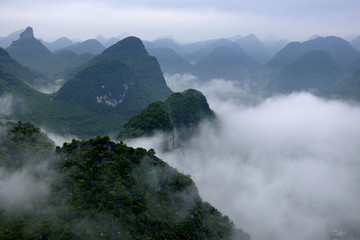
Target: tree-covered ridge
(22,143)
(105,83)
(100,97)
(132,52)
(181,111)
(188,108)
(153,118)
(106,190)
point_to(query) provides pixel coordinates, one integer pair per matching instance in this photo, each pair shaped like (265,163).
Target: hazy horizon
(185,21)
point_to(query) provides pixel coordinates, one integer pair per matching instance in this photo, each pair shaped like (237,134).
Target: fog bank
(282,168)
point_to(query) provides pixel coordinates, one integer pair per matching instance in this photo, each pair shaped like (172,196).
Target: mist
(51,87)
(6,104)
(21,189)
(281,168)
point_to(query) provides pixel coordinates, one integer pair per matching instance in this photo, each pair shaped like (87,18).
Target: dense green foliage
(181,112)
(132,52)
(104,190)
(21,144)
(107,84)
(153,118)
(188,108)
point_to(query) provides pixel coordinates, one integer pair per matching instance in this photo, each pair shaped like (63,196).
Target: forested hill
(181,112)
(100,98)
(98,189)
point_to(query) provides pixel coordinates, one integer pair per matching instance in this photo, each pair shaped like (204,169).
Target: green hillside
(132,52)
(181,112)
(98,189)
(99,99)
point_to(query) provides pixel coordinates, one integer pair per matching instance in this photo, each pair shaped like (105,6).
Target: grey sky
(185,20)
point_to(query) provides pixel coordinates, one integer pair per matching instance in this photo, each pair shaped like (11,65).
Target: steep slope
(314,71)
(99,99)
(23,97)
(224,62)
(29,51)
(170,61)
(99,189)
(132,52)
(349,88)
(91,46)
(179,115)
(31,77)
(27,104)
(109,85)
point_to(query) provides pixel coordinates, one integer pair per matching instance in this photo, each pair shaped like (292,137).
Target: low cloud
(59,139)
(217,90)
(51,87)
(281,168)
(22,188)
(6,104)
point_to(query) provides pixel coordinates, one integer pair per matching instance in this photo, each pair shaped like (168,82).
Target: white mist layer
(287,168)
(57,138)
(6,104)
(20,189)
(51,87)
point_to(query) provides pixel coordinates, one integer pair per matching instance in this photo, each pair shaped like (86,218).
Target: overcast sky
(185,20)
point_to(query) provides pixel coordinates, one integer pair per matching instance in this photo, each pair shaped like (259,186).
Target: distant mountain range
(6,41)
(58,44)
(30,52)
(104,93)
(317,65)
(313,71)
(91,46)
